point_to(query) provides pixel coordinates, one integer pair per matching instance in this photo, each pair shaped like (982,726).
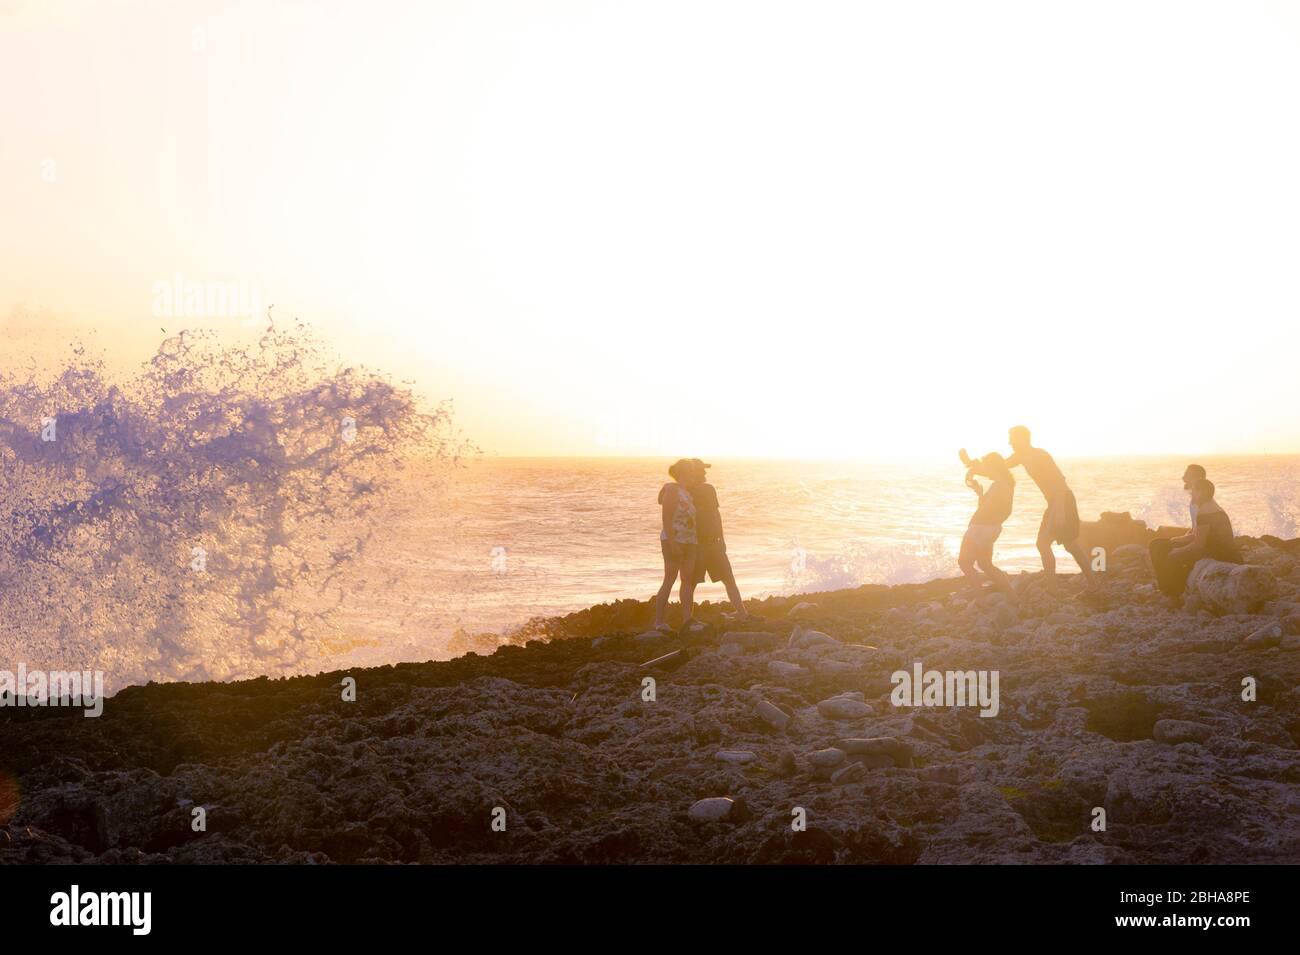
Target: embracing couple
(1060,523)
(693,545)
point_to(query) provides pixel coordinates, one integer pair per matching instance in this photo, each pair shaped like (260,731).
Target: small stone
(1181,731)
(843,708)
(848,774)
(1290,642)
(786,766)
(800,609)
(875,760)
(751,640)
(826,758)
(650,636)
(897,751)
(811,638)
(837,668)
(713,809)
(786,670)
(738,756)
(773,715)
(1269,635)
(950,775)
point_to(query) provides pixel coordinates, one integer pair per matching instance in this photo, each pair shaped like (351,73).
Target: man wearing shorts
(1060,522)
(711,557)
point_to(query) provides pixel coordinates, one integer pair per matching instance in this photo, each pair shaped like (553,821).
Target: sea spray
(203,518)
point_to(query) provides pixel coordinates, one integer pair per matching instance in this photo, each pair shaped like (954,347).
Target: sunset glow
(871,230)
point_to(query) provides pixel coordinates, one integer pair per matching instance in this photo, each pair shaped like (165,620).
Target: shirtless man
(1061,519)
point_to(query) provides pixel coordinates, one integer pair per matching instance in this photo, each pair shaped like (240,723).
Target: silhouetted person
(986,525)
(1061,518)
(1212,537)
(679,543)
(1193,472)
(711,556)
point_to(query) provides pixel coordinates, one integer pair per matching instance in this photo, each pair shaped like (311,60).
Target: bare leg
(966,561)
(1081,557)
(733,594)
(665,591)
(688,587)
(999,578)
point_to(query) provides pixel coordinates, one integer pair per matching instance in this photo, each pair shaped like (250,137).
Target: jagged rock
(1181,731)
(843,708)
(713,809)
(1231,588)
(650,637)
(773,715)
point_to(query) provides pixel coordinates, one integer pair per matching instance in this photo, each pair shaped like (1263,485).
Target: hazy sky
(716,228)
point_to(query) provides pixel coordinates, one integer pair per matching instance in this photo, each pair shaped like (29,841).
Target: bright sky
(719,228)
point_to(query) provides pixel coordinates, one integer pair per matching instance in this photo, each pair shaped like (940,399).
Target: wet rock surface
(1119,703)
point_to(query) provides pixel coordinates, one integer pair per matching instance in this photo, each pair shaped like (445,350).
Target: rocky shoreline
(1182,725)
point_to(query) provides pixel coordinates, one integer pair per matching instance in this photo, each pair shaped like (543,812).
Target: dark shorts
(712,559)
(1061,520)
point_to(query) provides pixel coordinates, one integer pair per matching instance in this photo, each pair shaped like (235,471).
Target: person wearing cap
(1212,537)
(711,557)
(1193,473)
(679,543)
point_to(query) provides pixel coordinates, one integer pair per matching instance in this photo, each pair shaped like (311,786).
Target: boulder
(801,609)
(1231,588)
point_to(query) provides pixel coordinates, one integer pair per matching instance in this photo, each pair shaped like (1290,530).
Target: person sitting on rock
(1173,559)
(1193,472)
(1060,522)
(678,543)
(986,525)
(711,555)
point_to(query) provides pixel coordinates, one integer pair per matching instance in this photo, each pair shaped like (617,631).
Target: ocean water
(512,539)
(232,511)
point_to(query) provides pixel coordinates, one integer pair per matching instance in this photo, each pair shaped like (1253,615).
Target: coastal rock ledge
(1182,724)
